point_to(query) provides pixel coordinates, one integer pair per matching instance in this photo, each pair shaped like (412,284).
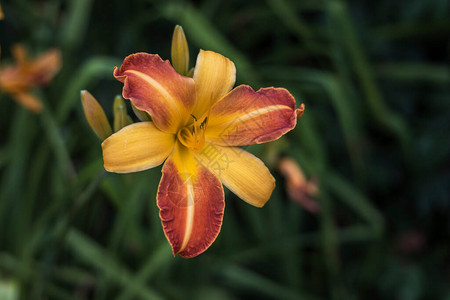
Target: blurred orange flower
(17,80)
(299,189)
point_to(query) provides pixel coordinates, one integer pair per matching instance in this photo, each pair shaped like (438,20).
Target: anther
(203,123)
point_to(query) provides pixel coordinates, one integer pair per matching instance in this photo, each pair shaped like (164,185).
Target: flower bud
(190,73)
(95,115)
(121,117)
(142,115)
(180,51)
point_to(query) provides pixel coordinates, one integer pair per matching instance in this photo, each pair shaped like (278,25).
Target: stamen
(194,127)
(194,138)
(204,123)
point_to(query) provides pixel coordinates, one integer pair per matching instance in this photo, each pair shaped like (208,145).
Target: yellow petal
(214,77)
(180,51)
(243,173)
(95,115)
(137,147)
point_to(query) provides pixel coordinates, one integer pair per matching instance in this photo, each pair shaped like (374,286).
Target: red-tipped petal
(300,110)
(191,203)
(245,117)
(154,86)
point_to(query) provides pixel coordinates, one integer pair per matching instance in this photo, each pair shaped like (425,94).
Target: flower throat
(193,136)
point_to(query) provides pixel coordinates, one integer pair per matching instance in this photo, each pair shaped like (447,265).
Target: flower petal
(214,77)
(29,101)
(154,86)
(191,203)
(12,80)
(19,53)
(243,173)
(137,147)
(245,117)
(44,67)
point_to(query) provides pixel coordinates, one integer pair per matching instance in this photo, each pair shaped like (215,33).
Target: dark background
(375,81)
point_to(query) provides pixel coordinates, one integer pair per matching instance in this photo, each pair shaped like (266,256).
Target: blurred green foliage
(375,80)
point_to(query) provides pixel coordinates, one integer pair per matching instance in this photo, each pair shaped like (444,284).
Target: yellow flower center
(193,135)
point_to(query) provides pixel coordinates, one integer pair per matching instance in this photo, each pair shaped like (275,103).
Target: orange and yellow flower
(18,80)
(197,127)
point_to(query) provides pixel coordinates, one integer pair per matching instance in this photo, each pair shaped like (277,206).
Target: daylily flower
(197,127)
(17,80)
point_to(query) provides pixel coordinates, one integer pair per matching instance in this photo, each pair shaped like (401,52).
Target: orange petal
(29,101)
(245,117)
(191,203)
(300,110)
(243,173)
(298,187)
(154,86)
(19,53)
(291,170)
(214,77)
(45,66)
(13,80)
(137,147)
